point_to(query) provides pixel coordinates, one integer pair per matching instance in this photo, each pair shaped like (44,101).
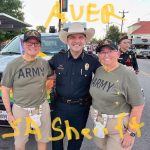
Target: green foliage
(96,41)
(7,35)
(41,28)
(113,33)
(14,9)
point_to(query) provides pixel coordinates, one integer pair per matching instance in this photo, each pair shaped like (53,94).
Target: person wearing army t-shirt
(115,91)
(26,76)
(127,57)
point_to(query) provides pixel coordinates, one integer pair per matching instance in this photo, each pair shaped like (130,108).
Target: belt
(81,101)
(106,117)
(30,110)
(111,116)
(96,113)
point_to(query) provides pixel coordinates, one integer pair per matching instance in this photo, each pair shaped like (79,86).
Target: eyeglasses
(108,52)
(31,44)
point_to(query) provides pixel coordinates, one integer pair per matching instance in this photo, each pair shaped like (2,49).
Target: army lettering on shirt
(27,80)
(30,72)
(116,91)
(102,84)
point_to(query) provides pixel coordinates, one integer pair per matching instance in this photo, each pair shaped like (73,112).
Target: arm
(6,101)
(135,64)
(135,99)
(51,81)
(5,98)
(136,112)
(51,62)
(51,75)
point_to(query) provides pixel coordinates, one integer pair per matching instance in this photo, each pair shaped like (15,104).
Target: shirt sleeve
(8,76)
(52,62)
(96,64)
(133,91)
(135,64)
(50,70)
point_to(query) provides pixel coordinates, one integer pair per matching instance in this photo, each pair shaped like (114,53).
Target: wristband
(133,134)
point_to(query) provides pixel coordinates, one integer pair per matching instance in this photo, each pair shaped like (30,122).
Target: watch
(131,133)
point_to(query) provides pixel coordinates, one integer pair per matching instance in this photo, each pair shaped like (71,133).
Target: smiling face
(32,47)
(76,42)
(108,57)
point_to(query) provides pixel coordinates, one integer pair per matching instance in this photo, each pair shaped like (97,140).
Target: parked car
(143,53)
(142,47)
(51,45)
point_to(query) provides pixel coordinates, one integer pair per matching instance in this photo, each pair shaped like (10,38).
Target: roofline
(3,14)
(138,23)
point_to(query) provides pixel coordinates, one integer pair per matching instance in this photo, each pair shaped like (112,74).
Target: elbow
(138,108)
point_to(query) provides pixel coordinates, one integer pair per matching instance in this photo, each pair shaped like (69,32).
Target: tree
(14,9)
(96,41)
(113,33)
(40,28)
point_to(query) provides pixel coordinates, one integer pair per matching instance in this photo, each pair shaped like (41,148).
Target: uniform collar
(80,57)
(123,52)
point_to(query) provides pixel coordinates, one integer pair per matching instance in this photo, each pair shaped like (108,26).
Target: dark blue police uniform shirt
(128,58)
(73,76)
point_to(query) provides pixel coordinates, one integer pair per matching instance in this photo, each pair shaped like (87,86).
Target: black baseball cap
(110,46)
(32,34)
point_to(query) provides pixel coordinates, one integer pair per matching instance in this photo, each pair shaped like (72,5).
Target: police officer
(127,57)
(74,69)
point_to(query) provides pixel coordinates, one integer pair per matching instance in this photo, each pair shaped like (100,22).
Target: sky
(36,13)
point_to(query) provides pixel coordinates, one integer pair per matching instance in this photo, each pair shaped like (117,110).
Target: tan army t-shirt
(115,92)
(27,80)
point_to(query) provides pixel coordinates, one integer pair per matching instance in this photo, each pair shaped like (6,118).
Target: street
(142,143)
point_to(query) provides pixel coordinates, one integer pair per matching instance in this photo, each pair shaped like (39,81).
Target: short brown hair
(122,38)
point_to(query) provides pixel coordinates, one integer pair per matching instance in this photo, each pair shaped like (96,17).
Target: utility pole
(59,24)
(107,27)
(123,16)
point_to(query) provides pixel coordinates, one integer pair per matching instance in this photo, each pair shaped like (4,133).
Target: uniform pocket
(85,77)
(61,75)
